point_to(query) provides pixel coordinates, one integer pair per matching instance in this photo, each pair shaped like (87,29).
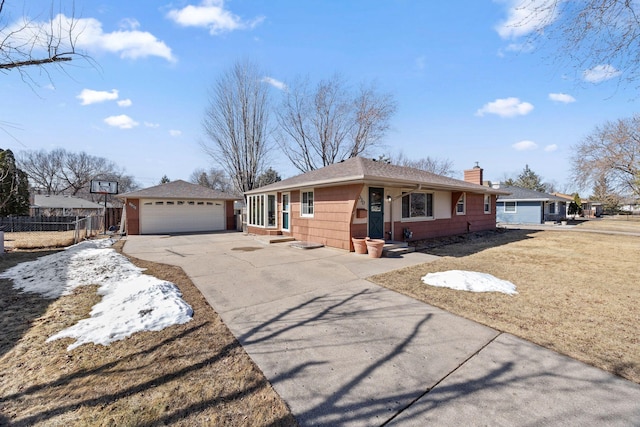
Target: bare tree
(610,154)
(598,35)
(215,179)
(26,44)
(63,172)
(429,164)
(236,124)
(330,123)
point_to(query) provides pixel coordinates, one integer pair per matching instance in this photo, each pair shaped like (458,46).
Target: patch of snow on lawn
(131,301)
(469,281)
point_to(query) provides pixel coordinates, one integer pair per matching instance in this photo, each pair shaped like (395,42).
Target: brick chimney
(474,175)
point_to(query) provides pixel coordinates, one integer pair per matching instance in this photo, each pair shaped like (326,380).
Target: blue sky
(467,86)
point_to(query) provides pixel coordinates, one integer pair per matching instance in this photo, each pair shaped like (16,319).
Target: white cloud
(506,107)
(89,36)
(151,125)
(88,96)
(562,97)
(527,16)
(122,121)
(525,145)
(125,103)
(600,73)
(551,148)
(275,83)
(211,14)
(175,133)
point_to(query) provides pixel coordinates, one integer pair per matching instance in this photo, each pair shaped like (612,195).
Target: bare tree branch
(236,123)
(331,122)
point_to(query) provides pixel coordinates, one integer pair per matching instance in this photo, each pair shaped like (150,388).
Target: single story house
(177,207)
(360,197)
(50,205)
(524,206)
(589,209)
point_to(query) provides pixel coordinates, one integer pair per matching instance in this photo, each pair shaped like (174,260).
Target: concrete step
(396,249)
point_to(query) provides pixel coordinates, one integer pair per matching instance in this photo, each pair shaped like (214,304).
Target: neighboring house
(177,207)
(524,206)
(360,197)
(45,205)
(589,209)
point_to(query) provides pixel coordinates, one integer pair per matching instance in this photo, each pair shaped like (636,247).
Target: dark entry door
(376,213)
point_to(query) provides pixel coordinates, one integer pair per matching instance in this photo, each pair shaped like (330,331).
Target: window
(307,203)
(271,210)
(159,203)
(417,205)
(487,203)
(285,211)
(510,207)
(256,210)
(261,210)
(460,209)
(169,203)
(552,208)
(181,202)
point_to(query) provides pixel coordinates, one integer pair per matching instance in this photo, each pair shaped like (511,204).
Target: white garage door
(180,216)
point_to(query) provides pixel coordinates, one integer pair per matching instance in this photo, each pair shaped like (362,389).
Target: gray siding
(526,213)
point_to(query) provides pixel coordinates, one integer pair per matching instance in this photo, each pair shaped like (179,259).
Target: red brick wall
(133,216)
(474,220)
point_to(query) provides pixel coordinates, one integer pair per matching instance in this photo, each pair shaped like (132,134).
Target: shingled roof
(44,201)
(178,190)
(360,170)
(526,195)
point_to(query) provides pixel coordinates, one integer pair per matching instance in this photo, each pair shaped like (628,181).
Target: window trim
(462,200)
(304,213)
(487,197)
(287,210)
(417,218)
(515,207)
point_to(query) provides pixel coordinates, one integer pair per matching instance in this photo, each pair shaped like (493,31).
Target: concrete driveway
(343,351)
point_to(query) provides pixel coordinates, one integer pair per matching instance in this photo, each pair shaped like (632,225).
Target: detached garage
(177,207)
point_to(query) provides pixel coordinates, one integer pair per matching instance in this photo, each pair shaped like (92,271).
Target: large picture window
(307,203)
(417,205)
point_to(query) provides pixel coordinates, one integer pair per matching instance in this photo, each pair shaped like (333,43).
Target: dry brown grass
(578,293)
(38,239)
(191,374)
(624,223)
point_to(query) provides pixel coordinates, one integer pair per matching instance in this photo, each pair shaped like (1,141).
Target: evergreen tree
(575,207)
(164,179)
(14,186)
(267,177)
(529,179)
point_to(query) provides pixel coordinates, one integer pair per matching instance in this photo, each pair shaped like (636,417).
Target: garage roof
(62,202)
(178,190)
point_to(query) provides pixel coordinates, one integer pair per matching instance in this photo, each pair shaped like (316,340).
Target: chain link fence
(51,232)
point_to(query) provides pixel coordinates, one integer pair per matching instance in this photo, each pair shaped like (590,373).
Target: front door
(376,213)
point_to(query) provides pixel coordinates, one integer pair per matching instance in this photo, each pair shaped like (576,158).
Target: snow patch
(131,301)
(469,281)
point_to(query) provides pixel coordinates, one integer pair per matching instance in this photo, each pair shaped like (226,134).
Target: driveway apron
(341,350)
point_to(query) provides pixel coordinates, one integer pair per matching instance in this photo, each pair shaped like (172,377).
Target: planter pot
(359,245)
(374,247)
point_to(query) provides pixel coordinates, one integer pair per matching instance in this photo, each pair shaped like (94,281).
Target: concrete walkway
(342,351)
